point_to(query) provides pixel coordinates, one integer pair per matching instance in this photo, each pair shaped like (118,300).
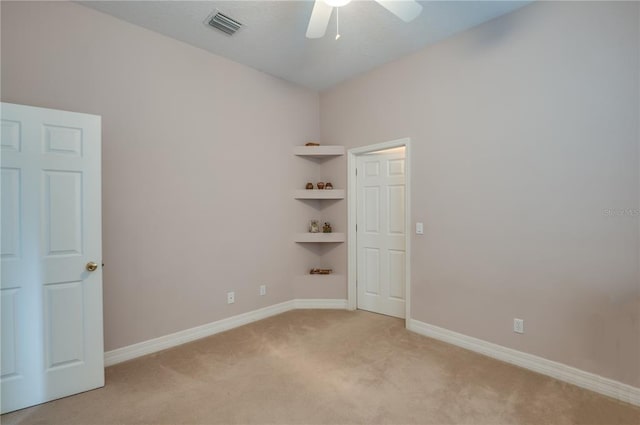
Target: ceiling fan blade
(319,19)
(407,10)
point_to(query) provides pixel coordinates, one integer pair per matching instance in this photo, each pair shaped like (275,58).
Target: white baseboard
(313,303)
(129,352)
(562,372)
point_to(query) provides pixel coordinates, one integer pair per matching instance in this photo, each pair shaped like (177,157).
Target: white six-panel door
(381,232)
(51,313)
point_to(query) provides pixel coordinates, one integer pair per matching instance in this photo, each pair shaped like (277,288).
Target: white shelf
(319,194)
(319,237)
(318,151)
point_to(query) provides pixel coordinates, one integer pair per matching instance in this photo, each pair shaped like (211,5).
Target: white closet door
(52,342)
(381,233)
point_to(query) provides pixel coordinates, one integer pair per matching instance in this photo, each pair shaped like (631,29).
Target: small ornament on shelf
(326,228)
(312,144)
(320,185)
(314,226)
(309,186)
(320,271)
(328,186)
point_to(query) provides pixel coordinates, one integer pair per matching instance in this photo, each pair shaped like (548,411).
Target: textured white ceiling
(273,39)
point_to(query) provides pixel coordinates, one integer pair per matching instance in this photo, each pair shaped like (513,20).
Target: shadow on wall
(490,36)
(613,319)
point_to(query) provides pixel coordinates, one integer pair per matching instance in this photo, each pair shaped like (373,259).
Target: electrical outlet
(518,326)
(231,297)
(263,290)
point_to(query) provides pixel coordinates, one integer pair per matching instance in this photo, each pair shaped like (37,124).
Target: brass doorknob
(91,266)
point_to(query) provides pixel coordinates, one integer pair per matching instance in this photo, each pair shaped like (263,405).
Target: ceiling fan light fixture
(407,10)
(337,3)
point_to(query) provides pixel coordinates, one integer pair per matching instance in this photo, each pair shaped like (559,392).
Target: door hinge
(356,171)
(356,227)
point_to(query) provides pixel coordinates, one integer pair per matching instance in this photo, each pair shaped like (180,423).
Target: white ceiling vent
(224,23)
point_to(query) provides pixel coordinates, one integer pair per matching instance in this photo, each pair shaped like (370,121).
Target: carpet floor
(326,367)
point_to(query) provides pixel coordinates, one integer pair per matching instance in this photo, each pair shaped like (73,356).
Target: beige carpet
(332,367)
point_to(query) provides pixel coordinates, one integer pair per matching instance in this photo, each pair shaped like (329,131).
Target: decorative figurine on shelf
(309,186)
(326,228)
(320,185)
(314,226)
(328,186)
(321,271)
(312,144)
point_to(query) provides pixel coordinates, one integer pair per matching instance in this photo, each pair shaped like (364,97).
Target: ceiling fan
(407,10)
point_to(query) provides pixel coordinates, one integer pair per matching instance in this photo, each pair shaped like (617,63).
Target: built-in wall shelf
(319,237)
(306,285)
(319,194)
(318,151)
(321,277)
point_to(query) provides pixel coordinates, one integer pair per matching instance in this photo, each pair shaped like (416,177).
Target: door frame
(352,210)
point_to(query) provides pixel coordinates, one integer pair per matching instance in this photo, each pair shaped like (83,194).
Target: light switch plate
(419,229)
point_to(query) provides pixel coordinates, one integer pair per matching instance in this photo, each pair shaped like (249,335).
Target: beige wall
(197,163)
(524,131)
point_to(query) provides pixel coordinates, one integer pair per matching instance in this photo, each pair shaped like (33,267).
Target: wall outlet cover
(518,326)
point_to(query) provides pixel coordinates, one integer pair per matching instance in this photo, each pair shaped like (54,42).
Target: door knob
(91,266)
